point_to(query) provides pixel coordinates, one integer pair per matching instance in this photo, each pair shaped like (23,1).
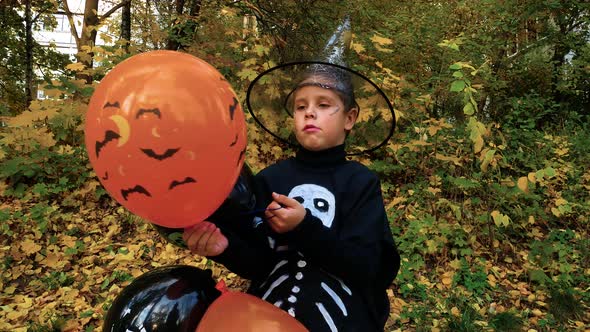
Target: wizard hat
(269,97)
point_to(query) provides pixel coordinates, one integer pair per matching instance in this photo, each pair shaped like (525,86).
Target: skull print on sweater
(331,272)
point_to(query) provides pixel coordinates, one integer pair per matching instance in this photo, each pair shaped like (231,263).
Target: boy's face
(321,121)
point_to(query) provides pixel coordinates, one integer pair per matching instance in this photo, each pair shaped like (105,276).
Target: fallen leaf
(29,247)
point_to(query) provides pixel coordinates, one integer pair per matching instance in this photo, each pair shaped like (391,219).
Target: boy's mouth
(308,128)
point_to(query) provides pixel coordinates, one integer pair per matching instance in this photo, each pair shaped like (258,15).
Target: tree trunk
(195,8)
(88,38)
(126,25)
(28,55)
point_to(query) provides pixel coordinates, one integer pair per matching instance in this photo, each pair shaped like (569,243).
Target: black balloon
(241,200)
(239,203)
(172,299)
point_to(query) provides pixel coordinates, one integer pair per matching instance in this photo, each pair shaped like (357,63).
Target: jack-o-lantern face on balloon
(166,136)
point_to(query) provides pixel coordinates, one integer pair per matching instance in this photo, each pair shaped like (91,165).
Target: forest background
(486,180)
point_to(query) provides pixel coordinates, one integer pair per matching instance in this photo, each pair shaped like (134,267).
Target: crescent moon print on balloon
(166,136)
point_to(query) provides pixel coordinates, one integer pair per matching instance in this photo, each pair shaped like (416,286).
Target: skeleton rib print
(294,282)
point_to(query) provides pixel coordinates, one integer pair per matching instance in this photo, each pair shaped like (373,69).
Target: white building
(61,36)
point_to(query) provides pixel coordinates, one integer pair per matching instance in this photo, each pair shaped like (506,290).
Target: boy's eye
(324,105)
(300,107)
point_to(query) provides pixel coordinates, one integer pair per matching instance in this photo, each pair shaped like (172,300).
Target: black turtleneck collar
(328,157)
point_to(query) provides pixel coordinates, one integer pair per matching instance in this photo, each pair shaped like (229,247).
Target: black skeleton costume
(332,271)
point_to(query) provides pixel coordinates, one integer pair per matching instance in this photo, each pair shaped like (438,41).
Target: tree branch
(73,29)
(528,47)
(114,9)
(43,10)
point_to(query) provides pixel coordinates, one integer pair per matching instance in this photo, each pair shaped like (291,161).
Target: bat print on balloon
(166,136)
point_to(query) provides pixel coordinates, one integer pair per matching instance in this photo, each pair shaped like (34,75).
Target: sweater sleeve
(357,253)
(248,259)
(248,253)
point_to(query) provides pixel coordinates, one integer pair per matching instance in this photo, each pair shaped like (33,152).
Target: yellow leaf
(52,260)
(555,212)
(29,247)
(383,49)
(447,278)
(532,177)
(562,152)
(447,281)
(477,144)
(10,290)
(23,302)
(128,257)
(434,191)
(492,280)
(500,219)
(69,241)
(358,48)
(487,158)
(14,315)
(76,66)
(476,132)
(560,201)
(249,62)
(455,264)
(381,40)
(53,93)
(396,201)
(419,143)
(71,325)
(455,312)
(247,73)
(27,118)
(455,160)
(523,184)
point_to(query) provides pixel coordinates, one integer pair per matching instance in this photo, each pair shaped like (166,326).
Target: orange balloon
(235,311)
(166,136)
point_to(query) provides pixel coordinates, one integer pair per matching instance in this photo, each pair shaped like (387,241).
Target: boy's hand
(284,213)
(205,239)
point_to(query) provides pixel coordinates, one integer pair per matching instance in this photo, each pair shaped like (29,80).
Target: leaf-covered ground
(64,278)
(502,250)
(62,267)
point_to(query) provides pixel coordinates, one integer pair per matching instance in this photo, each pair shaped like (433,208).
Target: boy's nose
(310,112)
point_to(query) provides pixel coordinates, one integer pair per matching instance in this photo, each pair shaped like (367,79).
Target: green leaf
(468,109)
(487,159)
(455,66)
(464,183)
(105,284)
(458,74)
(550,172)
(539,276)
(457,86)
(86,314)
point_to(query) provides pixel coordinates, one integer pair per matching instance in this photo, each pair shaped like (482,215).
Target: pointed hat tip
(339,43)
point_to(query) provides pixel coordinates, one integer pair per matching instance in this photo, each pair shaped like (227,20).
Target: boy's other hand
(205,239)
(284,213)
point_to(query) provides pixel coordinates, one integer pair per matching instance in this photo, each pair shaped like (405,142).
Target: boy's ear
(351,117)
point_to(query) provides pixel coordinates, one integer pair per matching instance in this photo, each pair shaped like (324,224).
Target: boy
(324,253)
